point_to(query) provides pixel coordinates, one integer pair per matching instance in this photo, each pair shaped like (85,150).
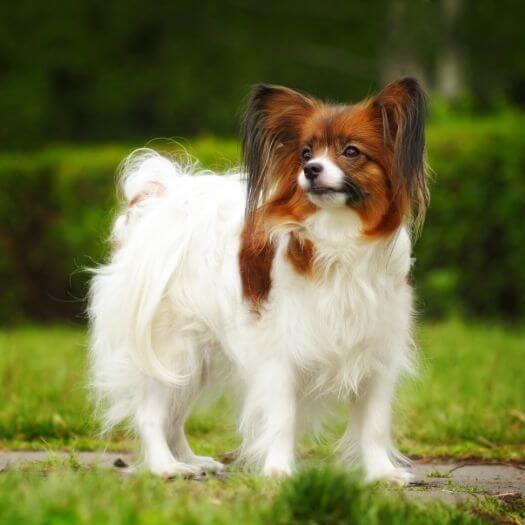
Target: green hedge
(56,207)
(471,255)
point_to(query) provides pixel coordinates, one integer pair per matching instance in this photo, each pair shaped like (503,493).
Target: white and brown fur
(291,289)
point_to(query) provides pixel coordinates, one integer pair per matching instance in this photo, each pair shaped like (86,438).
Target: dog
(287,281)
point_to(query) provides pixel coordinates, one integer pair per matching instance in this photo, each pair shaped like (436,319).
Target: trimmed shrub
(471,255)
(56,207)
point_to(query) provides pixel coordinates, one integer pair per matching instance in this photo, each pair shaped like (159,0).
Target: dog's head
(302,154)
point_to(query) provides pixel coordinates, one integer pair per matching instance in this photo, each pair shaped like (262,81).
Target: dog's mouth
(323,190)
(350,190)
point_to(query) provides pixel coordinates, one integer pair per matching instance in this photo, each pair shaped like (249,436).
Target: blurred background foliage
(82,83)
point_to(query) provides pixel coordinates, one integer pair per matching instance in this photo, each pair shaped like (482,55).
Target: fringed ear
(402,107)
(271,126)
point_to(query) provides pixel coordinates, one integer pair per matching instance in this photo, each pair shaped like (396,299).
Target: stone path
(450,482)
(466,481)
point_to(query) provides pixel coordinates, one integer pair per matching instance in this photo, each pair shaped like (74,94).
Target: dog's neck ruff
(325,246)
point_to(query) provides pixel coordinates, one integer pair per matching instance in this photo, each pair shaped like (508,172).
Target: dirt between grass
(451,483)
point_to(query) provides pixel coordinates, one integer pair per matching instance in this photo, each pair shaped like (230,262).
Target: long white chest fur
(335,326)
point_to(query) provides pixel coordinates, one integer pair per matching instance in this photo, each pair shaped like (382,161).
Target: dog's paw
(273,470)
(177,469)
(207,464)
(400,476)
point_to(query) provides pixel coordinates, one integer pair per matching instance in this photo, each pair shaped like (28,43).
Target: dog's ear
(402,109)
(270,131)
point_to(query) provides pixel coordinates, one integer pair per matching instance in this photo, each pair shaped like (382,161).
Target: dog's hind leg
(179,446)
(162,416)
(152,424)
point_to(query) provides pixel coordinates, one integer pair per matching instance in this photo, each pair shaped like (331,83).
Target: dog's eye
(306,154)
(351,152)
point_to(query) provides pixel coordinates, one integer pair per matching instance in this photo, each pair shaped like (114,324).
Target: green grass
(56,493)
(438,474)
(469,389)
(463,404)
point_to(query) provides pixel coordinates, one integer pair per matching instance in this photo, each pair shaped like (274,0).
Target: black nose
(312,170)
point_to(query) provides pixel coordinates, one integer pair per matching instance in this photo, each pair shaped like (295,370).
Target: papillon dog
(287,280)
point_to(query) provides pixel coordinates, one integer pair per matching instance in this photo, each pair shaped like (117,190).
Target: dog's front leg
(268,418)
(368,436)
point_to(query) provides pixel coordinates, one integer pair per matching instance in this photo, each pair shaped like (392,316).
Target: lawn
(468,402)
(64,493)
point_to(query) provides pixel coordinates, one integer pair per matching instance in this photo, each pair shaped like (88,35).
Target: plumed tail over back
(144,176)
(127,294)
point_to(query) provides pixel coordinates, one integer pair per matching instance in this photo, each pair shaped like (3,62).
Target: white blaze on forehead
(331,176)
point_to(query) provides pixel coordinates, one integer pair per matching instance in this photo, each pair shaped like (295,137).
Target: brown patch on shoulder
(300,253)
(255,264)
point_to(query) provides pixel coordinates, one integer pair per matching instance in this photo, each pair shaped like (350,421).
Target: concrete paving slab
(461,482)
(10,459)
(450,482)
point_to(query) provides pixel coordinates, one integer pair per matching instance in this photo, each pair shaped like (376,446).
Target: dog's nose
(312,170)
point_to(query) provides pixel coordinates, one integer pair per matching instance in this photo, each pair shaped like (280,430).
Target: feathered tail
(127,294)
